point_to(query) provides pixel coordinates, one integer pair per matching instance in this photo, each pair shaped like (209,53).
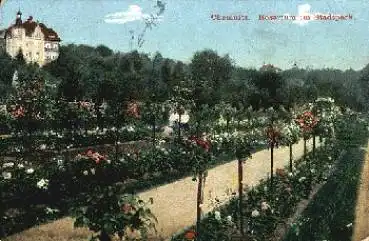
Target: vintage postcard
(206,120)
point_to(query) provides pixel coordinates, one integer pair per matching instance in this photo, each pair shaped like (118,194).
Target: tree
(209,73)
(104,51)
(19,58)
(7,68)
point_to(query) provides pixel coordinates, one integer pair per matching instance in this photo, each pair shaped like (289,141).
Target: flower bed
(264,209)
(330,215)
(66,183)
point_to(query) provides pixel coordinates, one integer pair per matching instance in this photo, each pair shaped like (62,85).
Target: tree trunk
(271,166)
(227,126)
(154,131)
(116,138)
(314,144)
(116,145)
(104,236)
(290,157)
(198,129)
(179,126)
(199,201)
(240,193)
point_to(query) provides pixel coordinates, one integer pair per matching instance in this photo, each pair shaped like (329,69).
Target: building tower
(18,20)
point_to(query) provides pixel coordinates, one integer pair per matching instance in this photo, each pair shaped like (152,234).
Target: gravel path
(361,228)
(175,203)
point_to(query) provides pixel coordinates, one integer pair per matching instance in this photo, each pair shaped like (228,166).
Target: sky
(187,26)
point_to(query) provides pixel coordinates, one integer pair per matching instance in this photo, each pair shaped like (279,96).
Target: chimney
(30,19)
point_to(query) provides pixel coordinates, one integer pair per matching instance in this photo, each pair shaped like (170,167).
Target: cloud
(134,13)
(303,10)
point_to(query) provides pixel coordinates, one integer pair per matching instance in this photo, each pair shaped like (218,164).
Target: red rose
(127,208)
(190,235)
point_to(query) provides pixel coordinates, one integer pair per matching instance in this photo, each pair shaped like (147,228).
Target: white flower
(265,189)
(20,166)
(312,170)
(255,213)
(217,215)
(130,129)
(51,210)
(43,184)
(108,161)
(8,164)
(329,166)
(113,129)
(92,171)
(301,179)
(222,121)
(85,172)
(30,171)
(229,219)
(174,117)
(330,158)
(290,174)
(265,206)
(7,175)
(43,147)
(349,225)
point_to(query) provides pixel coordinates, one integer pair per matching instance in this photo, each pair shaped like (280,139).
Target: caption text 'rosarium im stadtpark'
(264,18)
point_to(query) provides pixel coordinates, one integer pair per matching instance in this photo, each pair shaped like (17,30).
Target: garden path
(361,227)
(175,203)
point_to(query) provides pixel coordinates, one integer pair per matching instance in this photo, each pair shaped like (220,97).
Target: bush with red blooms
(133,110)
(200,142)
(307,122)
(110,213)
(97,157)
(273,136)
(17,112)
(190,235)
(199,154)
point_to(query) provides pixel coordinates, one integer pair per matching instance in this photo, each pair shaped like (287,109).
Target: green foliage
(112,212)
(328,216)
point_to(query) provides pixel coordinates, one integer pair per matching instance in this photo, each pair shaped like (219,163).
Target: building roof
(30,26)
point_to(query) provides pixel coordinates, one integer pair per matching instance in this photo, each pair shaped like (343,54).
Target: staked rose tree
(113,214)
(198,151)
(327,112)
(307,122)
(273,137)
(291,134)
(227,113)
(243,147)
(107,210)
(27,106)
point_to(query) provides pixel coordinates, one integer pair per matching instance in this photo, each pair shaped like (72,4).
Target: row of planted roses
(198,151)
(311,122)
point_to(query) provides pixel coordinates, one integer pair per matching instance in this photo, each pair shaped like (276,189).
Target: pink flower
(133,110)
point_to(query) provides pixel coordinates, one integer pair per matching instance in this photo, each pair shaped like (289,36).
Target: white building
(38,43)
